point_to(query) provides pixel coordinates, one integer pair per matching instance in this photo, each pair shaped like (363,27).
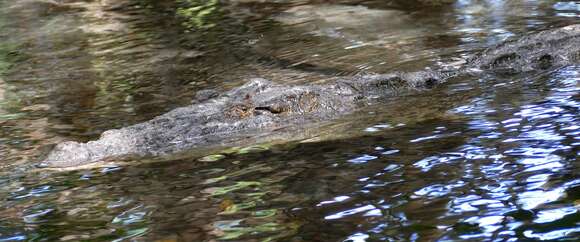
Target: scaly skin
(260,107)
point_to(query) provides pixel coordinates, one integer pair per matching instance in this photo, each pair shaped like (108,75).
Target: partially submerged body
(262,107)
(259,106)
(543,50)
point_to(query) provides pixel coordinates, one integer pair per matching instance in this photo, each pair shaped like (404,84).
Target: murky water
(477,159)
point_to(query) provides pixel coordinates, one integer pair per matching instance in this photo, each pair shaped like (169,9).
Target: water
(476,159)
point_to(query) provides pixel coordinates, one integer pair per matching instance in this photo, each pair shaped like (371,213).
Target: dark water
(476,159)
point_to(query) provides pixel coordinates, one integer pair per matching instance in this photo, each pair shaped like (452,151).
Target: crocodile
(261,107)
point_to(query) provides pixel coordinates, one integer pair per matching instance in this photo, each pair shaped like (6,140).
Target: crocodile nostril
(545,61)
(431,82)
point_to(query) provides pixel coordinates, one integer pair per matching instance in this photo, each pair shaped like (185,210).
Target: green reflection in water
(218,191)
(211,158)
(236,232)
(6,51)
(247,198)
(198,13)
(254,168)
(8,100)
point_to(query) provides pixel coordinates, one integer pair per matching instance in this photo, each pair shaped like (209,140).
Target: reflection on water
(481,159)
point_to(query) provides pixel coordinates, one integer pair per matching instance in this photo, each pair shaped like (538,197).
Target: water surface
(476,159)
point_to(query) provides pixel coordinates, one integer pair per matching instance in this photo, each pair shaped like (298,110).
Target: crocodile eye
(392,83)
